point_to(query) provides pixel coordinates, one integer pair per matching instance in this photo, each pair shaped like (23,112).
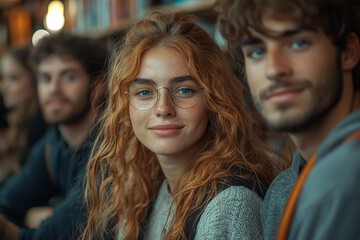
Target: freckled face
(167,129)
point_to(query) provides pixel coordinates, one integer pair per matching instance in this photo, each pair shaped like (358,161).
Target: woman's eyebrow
(151,81)
(143,81)
(181,78)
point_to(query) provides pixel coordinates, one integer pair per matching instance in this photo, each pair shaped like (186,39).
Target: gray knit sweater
(233,214)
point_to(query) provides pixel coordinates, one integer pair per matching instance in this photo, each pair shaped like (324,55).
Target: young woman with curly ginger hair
(176,157)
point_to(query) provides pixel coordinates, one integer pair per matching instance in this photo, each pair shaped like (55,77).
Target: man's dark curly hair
(90,53)
(337,18)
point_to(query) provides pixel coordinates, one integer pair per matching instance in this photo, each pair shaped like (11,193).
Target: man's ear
(350,56)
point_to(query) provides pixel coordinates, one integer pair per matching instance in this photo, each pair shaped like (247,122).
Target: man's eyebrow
(62,72)
(250,40)
(291,32)
(67,71)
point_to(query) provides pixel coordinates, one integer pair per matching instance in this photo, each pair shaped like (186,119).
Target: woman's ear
(350,56)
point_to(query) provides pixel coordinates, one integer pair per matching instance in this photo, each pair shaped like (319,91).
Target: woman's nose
(164,106)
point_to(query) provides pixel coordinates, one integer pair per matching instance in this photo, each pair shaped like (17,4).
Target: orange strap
(354,135)
(295,194)
(293,198)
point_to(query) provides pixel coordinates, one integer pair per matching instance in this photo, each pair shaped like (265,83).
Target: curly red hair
(123,176)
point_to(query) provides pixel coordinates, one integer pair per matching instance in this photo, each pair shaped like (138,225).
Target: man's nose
(55,85)
(277,64)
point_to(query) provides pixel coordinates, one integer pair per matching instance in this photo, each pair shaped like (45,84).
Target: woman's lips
(166,130)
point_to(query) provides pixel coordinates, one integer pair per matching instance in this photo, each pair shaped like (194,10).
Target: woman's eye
(185,91)
(143,93)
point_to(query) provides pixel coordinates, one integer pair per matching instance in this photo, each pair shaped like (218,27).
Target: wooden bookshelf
(203,9)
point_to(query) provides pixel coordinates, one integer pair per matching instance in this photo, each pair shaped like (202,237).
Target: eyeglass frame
(169,90)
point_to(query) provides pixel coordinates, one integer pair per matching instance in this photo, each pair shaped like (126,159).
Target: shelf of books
(105,18)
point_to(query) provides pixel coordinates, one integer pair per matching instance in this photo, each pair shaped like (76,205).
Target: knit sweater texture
(233,214)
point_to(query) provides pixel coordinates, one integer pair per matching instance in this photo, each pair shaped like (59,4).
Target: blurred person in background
(3,137)
(25,123)
(70,76)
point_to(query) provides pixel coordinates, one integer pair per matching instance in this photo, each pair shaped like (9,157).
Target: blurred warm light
(20,26)
(54,19)
(56,6)
(38,35)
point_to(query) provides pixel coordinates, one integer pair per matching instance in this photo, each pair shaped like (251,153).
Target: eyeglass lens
(183,93)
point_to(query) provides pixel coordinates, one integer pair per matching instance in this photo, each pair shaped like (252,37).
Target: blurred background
(23,22)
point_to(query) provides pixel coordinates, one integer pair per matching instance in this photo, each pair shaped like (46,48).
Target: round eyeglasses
(184,93)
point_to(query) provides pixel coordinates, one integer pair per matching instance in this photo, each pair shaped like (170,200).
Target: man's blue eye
(298,44)
(257,53)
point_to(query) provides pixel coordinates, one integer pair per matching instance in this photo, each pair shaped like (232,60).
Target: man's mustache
(63,99)
(287,85)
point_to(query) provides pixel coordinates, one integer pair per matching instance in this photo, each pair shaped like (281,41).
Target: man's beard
(325,96)
(77,112)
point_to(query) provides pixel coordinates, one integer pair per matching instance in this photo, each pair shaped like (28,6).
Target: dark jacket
(39,181)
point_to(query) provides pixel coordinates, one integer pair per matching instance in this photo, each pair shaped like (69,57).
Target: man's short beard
(73,116)
(67,119)
(329,92)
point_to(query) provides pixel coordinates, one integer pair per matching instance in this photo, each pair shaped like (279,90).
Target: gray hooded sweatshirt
(329,205)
